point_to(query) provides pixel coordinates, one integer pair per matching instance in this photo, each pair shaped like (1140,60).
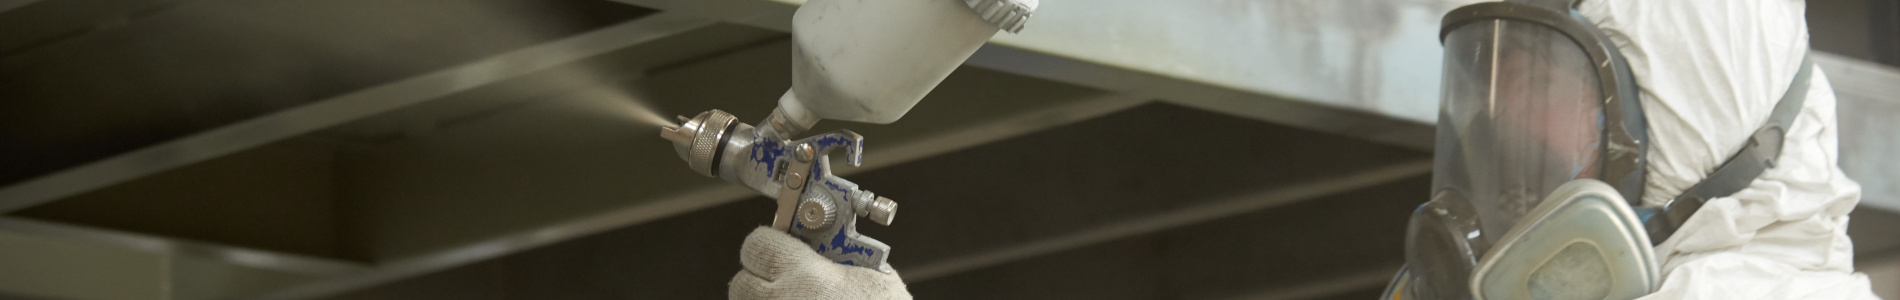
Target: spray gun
(862,61)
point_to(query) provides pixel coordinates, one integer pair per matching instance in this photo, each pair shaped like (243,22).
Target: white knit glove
(779,266)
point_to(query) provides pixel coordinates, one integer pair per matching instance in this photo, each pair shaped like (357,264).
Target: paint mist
(624,102)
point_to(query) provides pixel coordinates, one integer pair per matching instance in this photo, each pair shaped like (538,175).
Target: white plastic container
(871,60)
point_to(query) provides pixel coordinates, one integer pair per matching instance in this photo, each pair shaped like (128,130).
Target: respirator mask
(1539,165)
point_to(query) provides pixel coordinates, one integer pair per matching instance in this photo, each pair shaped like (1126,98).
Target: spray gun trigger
(854,150)
(855,154)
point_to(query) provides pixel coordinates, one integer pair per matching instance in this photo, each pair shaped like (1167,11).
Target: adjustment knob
(816,211)
(880,211)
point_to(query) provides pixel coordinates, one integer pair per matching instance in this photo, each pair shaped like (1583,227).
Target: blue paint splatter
(766,152)
(831,140)
(837,242)
(848,263)
(834,186)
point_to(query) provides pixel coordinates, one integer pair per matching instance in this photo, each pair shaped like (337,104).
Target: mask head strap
(1741,169)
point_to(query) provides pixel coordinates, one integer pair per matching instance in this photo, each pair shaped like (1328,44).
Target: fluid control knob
(880,210)
(816,211)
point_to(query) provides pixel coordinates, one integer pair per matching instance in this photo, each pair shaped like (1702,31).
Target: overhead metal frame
(266,260)
(1329,66)
(1172,213)
(283,125)
(7,5)
(184,263)
(342,109)
(1258,201)
(329,119)
(701,198)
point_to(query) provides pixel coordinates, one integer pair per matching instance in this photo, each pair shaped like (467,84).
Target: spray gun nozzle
(697,139)
(678,135)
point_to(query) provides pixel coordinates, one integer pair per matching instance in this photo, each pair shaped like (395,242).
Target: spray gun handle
(820,208)
(803,170)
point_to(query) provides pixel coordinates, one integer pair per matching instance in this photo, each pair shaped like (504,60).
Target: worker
(1710,72)
(1624,149)
(1594,149)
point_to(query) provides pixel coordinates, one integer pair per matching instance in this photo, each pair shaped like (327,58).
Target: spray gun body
(813,204)
(869,61)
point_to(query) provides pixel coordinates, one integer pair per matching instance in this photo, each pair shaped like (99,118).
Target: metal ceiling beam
(260,259)
(463,183)
(342,109)
(646,210)
(1345,67)
(46,268)
(197,270)
(7,5)
(1172,219)
(183,269)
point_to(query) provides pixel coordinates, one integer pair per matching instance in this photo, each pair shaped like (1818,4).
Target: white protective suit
(1710,72)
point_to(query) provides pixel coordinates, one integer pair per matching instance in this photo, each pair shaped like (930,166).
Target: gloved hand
(779,266)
